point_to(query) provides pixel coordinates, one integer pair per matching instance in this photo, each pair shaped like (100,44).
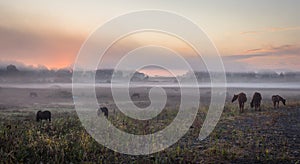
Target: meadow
(271,135)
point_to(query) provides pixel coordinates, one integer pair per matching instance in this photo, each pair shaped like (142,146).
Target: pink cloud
(272,29)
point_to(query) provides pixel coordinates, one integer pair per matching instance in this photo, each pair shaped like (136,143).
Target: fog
(281,85)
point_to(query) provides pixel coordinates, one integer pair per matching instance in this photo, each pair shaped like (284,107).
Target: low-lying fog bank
(283,85)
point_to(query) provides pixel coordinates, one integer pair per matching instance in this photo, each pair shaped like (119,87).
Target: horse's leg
(274,103)
(240,106)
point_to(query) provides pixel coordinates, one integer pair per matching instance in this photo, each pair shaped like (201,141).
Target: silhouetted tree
(11,68)
(281,75)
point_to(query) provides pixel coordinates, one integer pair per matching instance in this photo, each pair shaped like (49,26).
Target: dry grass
(250,136)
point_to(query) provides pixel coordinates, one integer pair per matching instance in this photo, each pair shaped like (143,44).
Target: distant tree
(104,74)
(251,75)
(290,75)
(281,75)
(11,68)
(137,76)
(63,73)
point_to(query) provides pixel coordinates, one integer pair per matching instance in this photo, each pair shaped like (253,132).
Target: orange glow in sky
(51,33)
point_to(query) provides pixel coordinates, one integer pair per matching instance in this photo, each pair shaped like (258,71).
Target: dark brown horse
(103,110)
(45,115)
(256,100)
(276,99)
(242,98)
(33,94)
(136,95)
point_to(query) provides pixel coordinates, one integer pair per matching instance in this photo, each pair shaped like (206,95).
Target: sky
(250,35)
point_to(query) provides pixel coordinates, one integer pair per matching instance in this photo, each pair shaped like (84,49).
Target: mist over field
(12,74)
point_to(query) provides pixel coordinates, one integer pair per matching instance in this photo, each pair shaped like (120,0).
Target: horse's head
(283,101)
(103,110)
(38,115)
(234,98)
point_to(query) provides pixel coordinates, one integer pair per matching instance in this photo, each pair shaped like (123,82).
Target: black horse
(103,110)
(242,98)
(256,100)
(276,99)
(136,95)
(33,94)
(45,115)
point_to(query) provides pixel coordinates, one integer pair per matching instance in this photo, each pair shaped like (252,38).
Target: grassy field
(268,136)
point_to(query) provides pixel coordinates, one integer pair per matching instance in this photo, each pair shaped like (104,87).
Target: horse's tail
(251,104)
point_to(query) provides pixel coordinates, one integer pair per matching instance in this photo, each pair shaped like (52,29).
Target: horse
(45,115)
(103,110)
(276,99)
(33,94)
(256,100)
(242,98)
(137,95)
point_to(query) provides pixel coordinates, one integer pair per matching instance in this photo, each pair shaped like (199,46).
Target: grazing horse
(242,98)
(276,99)
(137,95)
(33,94)
(45,115)
(103,110)
(256,100)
